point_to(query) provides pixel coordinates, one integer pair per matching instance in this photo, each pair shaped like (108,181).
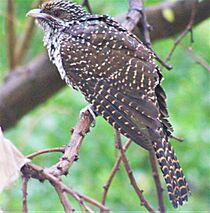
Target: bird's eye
(57,13)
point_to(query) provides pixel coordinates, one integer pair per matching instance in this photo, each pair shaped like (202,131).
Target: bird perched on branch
(119,78)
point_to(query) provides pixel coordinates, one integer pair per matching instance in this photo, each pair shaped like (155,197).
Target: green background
(187,88)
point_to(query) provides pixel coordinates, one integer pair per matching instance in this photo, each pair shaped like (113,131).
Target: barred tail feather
(178,188)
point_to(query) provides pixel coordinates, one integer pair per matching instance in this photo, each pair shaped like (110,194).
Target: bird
(118,76)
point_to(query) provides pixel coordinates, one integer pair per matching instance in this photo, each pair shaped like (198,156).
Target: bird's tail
(178,188)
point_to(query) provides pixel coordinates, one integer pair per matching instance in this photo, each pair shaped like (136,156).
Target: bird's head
(57,13)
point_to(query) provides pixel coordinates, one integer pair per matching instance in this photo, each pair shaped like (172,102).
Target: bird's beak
(37,13)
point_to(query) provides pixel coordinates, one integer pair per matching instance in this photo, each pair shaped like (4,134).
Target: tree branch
(37,172)
(113,172)
(24,193)
(182,10)
(185,32)
(24,41)
(129,171)
(134,14)
(53,174)
(58,149)
(156,177)
(71,153)
(34,83)
(27,87)
(10,33)
(63,198)
(197,58)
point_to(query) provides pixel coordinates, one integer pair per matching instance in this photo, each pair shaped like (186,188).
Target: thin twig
(113,172)
(197,58)
(64,188)
(156,177)
(24,41)
(145,28)
(144,25)
(86,4)
(93,202)
(24,193)
(163,63)
(42,174)
(136,15)
(11,33)
(129,171)
(57,149)
(63,198)
(87,208)
(80,198)
(185,32)
(70,155)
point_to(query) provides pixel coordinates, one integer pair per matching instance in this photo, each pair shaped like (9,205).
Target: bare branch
(71,154)
(72,149)
(24,193)
(134,14)
(63,198)
(11,33)
(156,177)
(182,10)
(86,199)
(27,87)
(40,152)
(144,26)
(37,172)
(198,59)
(113,172)
(24,42)
(185,32)
(129,171)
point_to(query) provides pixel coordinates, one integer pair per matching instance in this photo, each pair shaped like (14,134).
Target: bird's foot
(92,111)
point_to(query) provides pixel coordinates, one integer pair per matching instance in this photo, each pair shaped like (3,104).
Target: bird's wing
(118,76)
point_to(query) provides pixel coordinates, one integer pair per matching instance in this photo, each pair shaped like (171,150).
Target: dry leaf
(11,161)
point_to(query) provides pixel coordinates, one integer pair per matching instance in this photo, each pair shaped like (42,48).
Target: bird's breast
(54,52)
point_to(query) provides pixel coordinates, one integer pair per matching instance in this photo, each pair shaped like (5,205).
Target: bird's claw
(91,110)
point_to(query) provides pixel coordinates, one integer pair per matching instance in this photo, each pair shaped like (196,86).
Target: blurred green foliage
(187,87)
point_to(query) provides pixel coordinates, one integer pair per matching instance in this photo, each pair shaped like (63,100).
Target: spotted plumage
(117,74)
